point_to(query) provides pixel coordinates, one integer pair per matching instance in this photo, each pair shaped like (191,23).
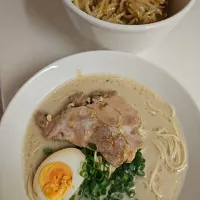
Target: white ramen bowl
(17,115)
(126,38)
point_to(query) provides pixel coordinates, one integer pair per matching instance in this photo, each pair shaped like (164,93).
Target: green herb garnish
(100,182)
(92,146)
(72,197)
(48,151)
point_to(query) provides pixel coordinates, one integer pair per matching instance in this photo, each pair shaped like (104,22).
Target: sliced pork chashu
(110,123)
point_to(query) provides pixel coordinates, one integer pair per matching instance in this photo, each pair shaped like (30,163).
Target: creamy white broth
(156,115)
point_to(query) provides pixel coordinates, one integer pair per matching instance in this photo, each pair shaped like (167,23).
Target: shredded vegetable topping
(125,11)
(102,181)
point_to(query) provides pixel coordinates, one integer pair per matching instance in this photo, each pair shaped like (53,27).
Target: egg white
(70,156)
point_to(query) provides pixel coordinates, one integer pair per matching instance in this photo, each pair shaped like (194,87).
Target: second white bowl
(126,38)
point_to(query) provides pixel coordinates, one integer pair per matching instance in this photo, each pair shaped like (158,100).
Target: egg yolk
(55,179)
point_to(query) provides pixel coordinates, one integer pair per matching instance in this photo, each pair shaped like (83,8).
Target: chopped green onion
(106,174)
(84,174)
(48,151)
(139,153)
(103,191)
(97,165)
(116,196)
(80,192)
(99,175)
(125,177)
(107,164)
(102,179)
(84,166)
(92,146)
(94,187)
(132,166)
(90,159)
(131,193)
(140,173)
(142,166)
(72,197)
(105,182)
(129,186)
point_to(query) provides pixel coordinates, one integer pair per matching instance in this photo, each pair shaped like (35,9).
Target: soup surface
(164,148)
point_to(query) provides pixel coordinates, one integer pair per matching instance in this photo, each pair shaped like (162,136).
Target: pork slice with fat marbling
(74,124)
(110,124)
(106,113)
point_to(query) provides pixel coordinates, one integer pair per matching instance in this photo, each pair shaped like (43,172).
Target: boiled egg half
(57,178)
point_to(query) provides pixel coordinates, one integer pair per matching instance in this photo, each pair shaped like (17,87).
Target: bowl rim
(127,28)
(16,127)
